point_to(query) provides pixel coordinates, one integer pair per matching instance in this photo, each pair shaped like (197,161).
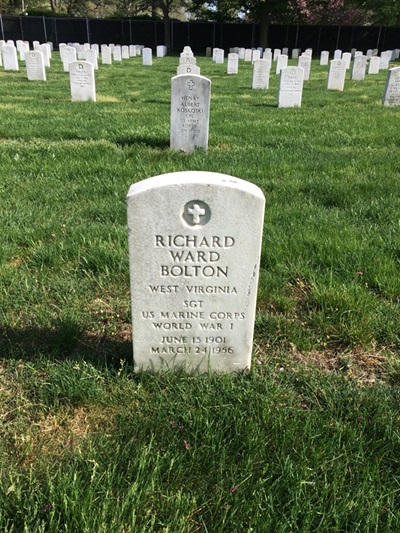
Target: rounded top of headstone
(194,177)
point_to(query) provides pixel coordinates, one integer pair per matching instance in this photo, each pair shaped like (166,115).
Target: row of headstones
(190,92)
(337,68)
(69,53)
(336,74)
(9,53)
(108,52)
(249,54)
(304,60)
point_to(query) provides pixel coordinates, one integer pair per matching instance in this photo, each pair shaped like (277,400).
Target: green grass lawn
(309,440)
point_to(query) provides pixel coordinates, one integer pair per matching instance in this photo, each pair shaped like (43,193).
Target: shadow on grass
(66,341)
(149,101)
(264,105)
(148,141)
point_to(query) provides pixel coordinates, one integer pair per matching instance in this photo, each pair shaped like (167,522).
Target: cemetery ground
(309,440)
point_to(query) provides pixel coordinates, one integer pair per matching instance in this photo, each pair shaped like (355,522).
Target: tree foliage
(263,12)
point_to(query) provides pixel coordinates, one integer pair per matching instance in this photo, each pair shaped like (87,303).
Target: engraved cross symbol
(196,211)
(191,84)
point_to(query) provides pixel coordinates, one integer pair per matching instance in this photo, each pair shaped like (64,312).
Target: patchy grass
(309,440)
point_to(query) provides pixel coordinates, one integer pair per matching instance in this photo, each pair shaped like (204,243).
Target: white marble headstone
(61,48)
(190,112)
(359,67)
(256,54)
(281,63)
(82,82)
(373,67)
(219,56)
(346,56)
(10,59)
(35,70)
(69,55)
(80,52)
(106,55)
(290,87)
(194,253)
(304,62)
(391,95)
(23,50)
(187,59)
(324,58)
(188,69)
(147,57)
(161,50)
(336,75)
(46,51)
(91,57)
(385,58)
(233,63)
(261,72)
(117,53)
(125,51)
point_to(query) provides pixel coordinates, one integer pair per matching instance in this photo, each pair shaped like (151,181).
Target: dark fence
(198,35)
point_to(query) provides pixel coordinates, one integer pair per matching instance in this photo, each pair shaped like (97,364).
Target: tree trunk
(167,31)
(53,5)
(165,7)
(264,21)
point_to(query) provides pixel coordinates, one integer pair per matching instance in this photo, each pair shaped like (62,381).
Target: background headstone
(233,63)
(125,51)
(281,63)
(10,59)
(82,82)
(188,69)
(324,60)
(277,53)
(304,62)
(69,55)
(35,70)
(219,56)
(190,112)
(194,247)
(346,56)
(373,67)
(337,74)
(91,57)
(290,87)
(248,53)
(116,53)
(106,55)
(359,67)
(391,95)
(147,57)
(261,72)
